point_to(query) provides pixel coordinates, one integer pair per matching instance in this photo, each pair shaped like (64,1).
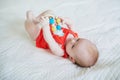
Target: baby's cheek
(74,51)
(68,49)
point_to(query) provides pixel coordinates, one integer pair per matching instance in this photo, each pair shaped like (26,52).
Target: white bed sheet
(96,20)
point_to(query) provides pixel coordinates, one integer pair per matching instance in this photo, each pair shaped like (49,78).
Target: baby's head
(82,52)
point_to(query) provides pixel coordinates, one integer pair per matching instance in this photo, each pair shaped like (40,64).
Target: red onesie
(41,43)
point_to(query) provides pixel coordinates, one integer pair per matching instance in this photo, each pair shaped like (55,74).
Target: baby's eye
(73,46)
(78,39)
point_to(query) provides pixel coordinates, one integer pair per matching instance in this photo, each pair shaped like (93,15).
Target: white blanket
(96,20)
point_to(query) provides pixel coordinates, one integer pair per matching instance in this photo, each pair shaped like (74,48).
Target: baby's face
(73,46)
(81,51)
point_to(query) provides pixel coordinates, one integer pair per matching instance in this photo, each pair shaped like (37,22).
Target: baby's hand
(44,21)
(67,21)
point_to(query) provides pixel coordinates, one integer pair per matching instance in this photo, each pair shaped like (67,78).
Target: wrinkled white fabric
(96,20)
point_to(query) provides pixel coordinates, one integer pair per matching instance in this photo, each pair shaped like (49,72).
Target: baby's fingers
(44,18)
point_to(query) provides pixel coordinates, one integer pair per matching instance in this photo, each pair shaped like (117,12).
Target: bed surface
(96,20)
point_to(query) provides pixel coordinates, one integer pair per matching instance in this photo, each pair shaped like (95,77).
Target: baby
(56,34)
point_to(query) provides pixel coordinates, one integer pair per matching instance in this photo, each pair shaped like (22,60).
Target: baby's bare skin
(80,51)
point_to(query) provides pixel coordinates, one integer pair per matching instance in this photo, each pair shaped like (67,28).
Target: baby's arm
(54,47)
(68,22)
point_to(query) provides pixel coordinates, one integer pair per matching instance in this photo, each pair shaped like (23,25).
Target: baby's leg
(32,26)
(46,14)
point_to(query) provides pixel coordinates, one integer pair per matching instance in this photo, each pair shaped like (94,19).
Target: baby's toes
(29,15)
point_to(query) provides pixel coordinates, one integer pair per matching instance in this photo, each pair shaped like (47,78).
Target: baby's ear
(72,59)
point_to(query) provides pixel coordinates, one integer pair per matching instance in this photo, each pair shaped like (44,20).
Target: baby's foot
(29,15)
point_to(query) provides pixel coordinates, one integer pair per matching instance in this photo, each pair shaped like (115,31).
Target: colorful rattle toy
(56,27)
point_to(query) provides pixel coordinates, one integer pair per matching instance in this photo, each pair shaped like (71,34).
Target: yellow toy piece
(53,28)
(58,20)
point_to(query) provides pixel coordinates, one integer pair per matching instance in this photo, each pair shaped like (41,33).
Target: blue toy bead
(58,27)
(52,21)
